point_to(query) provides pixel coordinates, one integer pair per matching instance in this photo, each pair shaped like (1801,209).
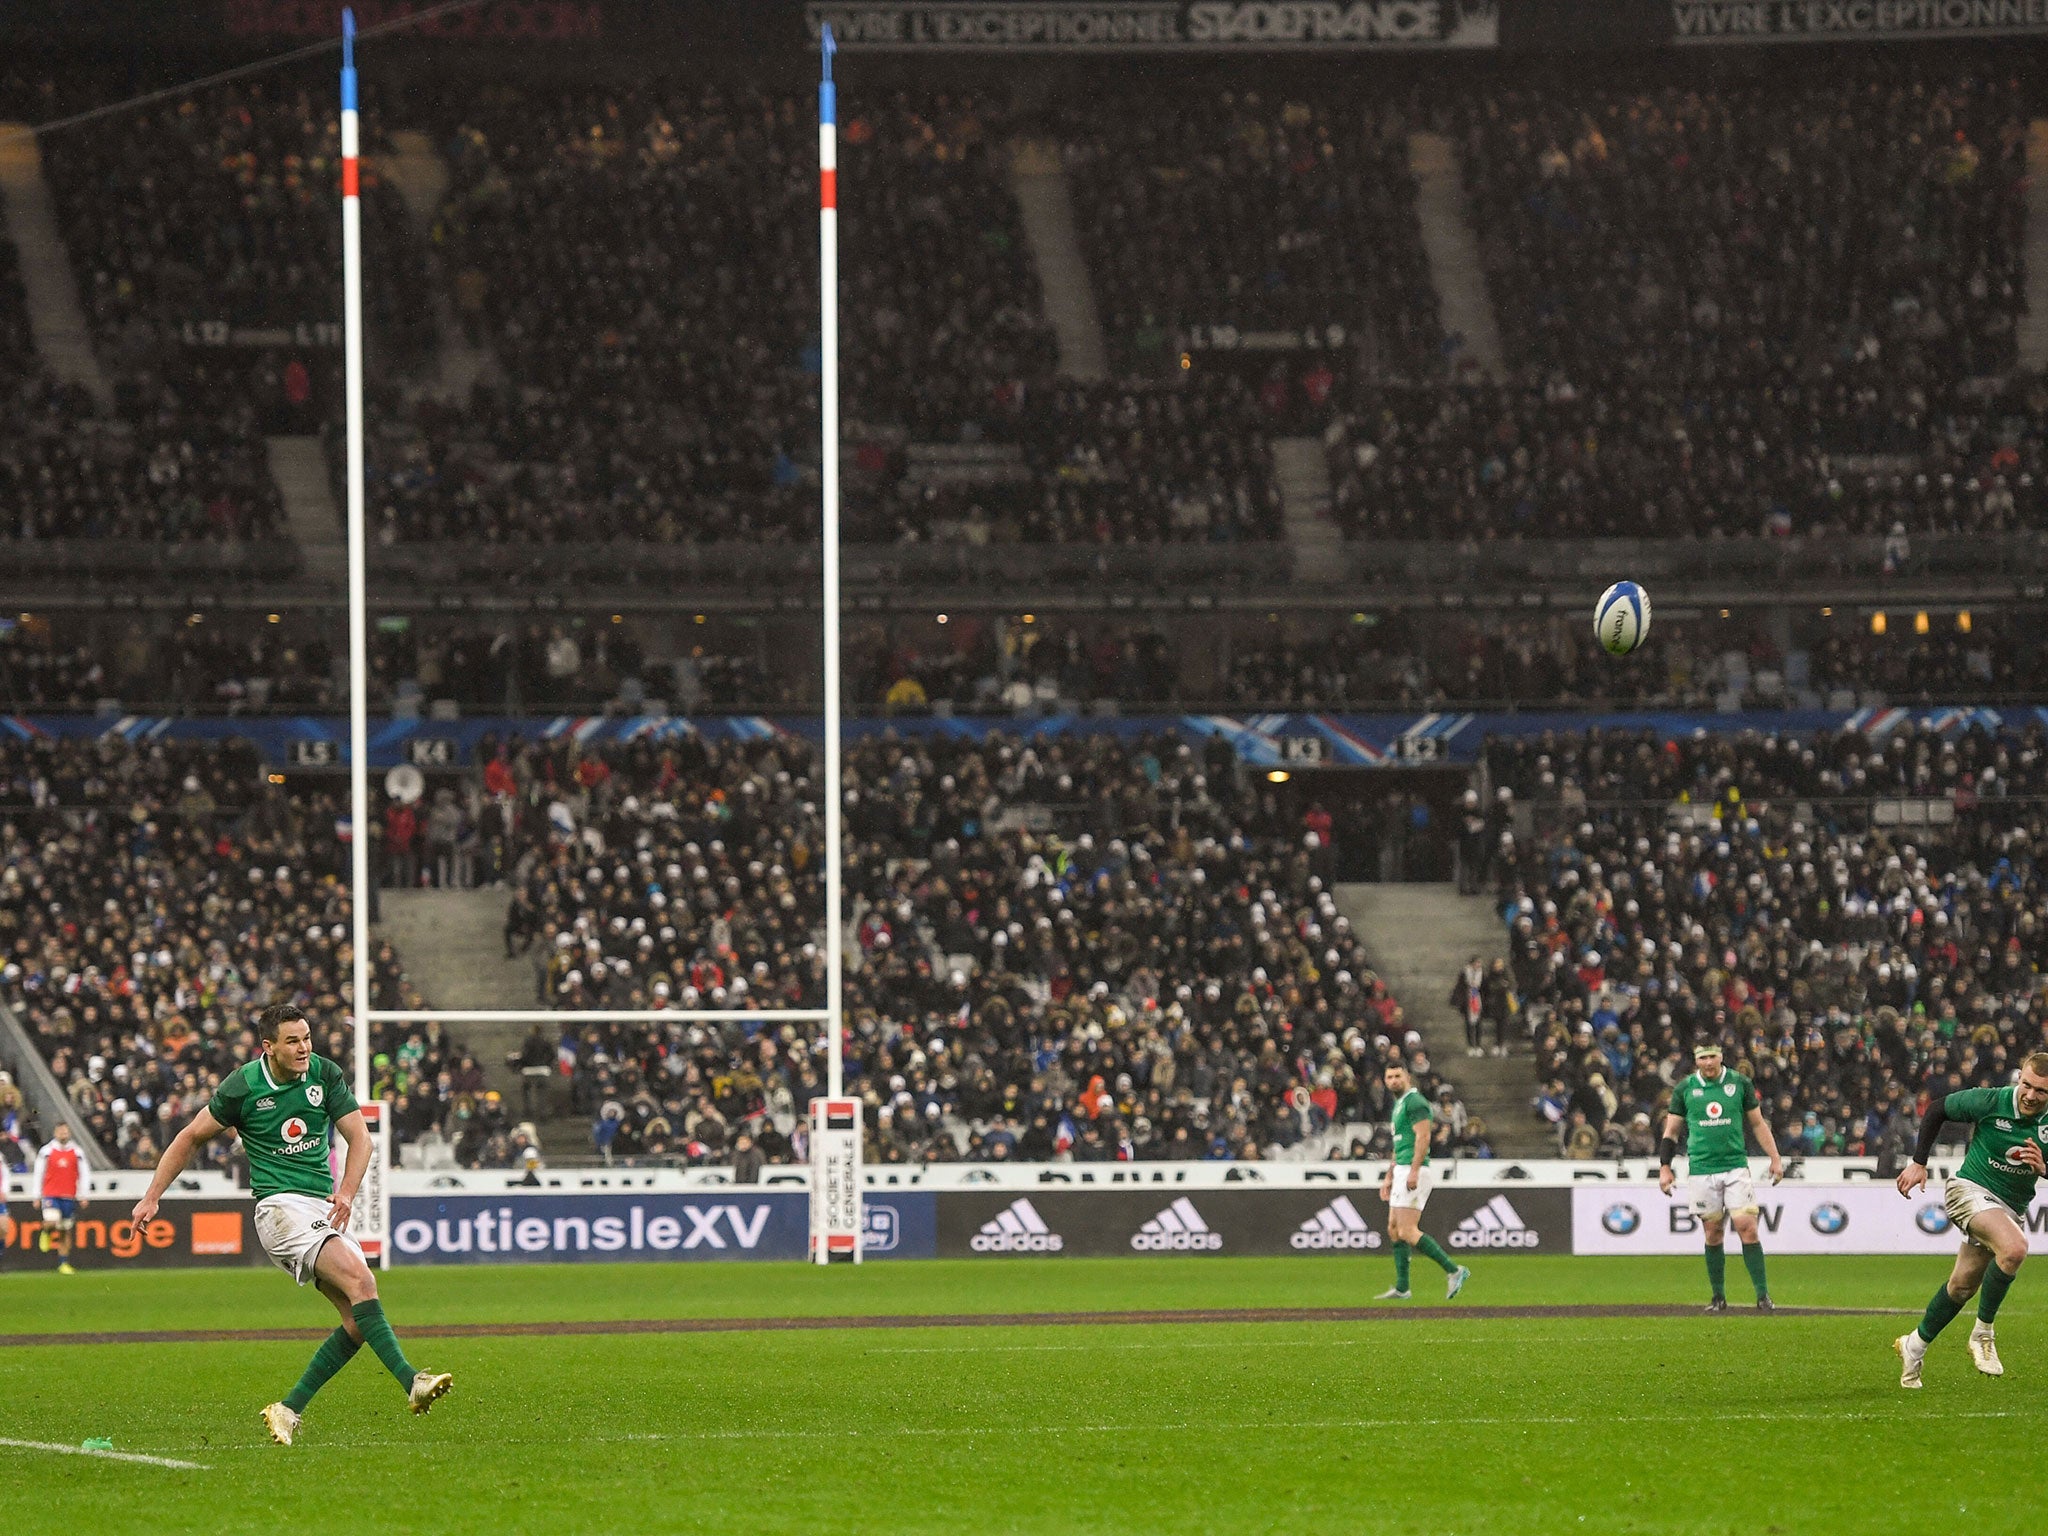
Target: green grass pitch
(1447,1426)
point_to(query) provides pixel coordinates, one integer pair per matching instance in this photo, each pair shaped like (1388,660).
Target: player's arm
(356,1133)
(1422,1134)
(202,1129)
(1768,1140)
(1667,1149)
(35,1188)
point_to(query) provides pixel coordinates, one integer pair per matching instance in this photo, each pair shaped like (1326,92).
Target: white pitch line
(1239,1344)
(59,1448)
(963,1431)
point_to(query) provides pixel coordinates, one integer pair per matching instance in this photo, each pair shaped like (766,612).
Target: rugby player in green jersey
(1713,1105)
(284,1103)
(1987,1201)
(1406,1189)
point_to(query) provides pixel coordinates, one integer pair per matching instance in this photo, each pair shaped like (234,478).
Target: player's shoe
(1718,1304)
(1456,1282)
(66,1269)
(1984,1351)
(1911,1349)
(1765,1304)
(281,1422)
(428,1385)
(1392,1293)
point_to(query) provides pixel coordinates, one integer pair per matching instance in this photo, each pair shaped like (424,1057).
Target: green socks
(1401,1251)
(1753,1261)
(369,1316)
(334,1352)
(1717,1270)
(1996,1283)
(1943,1309)
(1432,1249)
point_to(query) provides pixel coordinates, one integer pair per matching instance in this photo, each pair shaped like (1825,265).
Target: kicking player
(60,1188)
(1406,1189)
(284,1103)
(1987,1200)
(1713,1105)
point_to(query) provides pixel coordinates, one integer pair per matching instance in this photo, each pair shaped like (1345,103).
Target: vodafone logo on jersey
(295,1129)
(296,1137)
(1714,1111)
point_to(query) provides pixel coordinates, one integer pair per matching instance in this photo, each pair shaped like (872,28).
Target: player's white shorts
(1965,1202)
(1401,1197)
(293,1229)
(1715,1195)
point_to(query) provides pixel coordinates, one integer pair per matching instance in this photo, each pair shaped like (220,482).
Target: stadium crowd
(153,899)
(1851,961)
(1061,946)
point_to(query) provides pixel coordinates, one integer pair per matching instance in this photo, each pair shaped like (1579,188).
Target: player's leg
(1742,1210)
(1428,1246)
(1403,1225)
(1963,1280)
(335,1351)
(341,1266)
(2007,1246)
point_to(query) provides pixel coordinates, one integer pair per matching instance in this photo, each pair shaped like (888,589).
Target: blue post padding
(828,105)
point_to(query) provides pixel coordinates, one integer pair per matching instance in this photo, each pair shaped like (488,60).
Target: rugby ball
(1622,619)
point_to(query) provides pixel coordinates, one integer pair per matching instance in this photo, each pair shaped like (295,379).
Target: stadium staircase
(1452,246)
(56,318)
(452,946)
(1313,541)
(421,177)
(1043,198)
(2033,330)
(1418,937)
(299,467)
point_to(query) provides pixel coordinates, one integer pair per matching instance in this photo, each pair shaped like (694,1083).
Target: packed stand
(1853,965)
(219,206)
(1760,306)
(1255,212)
(1164,976)
(662,335)
(153,900)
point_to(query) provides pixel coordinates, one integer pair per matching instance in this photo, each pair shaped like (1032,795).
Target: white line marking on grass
(1251,1347)
(78,1450)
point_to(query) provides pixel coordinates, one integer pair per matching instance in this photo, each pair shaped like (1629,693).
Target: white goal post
(840,1118)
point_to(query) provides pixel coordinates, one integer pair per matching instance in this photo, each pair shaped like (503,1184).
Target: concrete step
(2032,339)
(1303,472)
(454,952)
(1452,246)
(1418,937)
(1039,180)
(56,317)
(299,466)
(421,176)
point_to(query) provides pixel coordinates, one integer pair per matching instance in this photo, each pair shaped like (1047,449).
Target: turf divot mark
(1393,1314)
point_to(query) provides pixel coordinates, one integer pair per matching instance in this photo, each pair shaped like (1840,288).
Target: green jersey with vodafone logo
(2000,1129)
(1713,1113)
(285,1125)
(1411,1110)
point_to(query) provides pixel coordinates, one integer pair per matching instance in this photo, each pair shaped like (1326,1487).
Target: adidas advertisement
(1864,1217)
(1337,1225)
(1340,1219)
(1017,1228)
(1177,1229)
(1495,1224)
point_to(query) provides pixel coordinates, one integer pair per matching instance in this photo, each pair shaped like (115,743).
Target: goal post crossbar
(588,1015)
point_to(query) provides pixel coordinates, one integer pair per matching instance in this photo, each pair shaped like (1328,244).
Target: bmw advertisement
(1792,1218)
